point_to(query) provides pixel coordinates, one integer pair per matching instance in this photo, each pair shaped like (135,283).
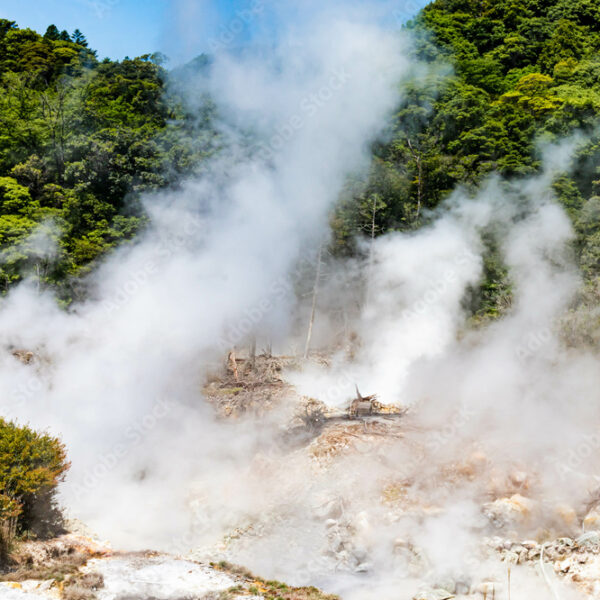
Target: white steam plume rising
(119,376)
(121,384)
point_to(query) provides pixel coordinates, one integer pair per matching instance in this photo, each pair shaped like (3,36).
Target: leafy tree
(79,142)
(31,466)
(15,198)
(522,71)
(78,38)
(52,33)
(6,26)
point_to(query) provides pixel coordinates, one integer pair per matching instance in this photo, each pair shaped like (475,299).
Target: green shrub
(31,466)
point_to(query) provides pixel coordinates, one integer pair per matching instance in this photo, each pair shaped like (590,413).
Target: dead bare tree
(314,302)
(418,161)
(233,362)
(55,112)
(374,207)
(253,353)
(361,405)
(8,531)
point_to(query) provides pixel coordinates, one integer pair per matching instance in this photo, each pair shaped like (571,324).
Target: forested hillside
(193,299)
(79,141)
(521,73)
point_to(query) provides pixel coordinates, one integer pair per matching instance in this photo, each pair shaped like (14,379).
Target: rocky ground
(73,567)
(76,568)
(523,541)
(347,501)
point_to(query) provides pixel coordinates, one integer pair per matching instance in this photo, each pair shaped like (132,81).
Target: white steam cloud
(119,377)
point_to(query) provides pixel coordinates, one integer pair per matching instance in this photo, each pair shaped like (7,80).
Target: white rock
(487,588)
(159,577)
(364,567)
(592,519)
(591,538)
(437,594)
(563,566)
(516,509)
(11,591)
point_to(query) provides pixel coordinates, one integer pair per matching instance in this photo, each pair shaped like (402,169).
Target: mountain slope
(504,77)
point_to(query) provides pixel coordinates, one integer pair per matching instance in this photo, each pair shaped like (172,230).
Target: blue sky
(179,28)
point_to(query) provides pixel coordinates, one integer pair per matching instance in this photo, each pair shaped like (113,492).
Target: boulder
(591,521)
(510,511)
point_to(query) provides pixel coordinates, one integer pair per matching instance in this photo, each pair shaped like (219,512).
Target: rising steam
(119,377)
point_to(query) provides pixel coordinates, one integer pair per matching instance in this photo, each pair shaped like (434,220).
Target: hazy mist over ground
(119,376)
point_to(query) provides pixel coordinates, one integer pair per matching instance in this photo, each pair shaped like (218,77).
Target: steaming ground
(498,446)
(119,376)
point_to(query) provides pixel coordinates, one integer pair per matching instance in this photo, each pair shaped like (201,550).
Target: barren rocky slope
(345,501)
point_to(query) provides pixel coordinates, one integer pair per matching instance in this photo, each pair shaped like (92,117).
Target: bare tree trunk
(269,349)
(419,188)
(374,213)
(8,530)
(233,363)
(371,254)
(314,303)
(417,157)
(56,119)
(253,353)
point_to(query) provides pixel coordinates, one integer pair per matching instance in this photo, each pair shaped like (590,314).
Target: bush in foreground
(31,466)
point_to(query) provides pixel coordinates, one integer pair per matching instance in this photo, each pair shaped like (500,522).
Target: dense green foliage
(31,466)
(79,141)
(503,77)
